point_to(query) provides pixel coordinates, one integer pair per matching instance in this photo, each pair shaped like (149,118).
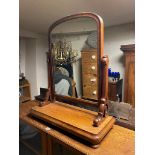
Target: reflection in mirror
(75,58)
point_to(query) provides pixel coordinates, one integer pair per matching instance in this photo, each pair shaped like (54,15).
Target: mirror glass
(75,52)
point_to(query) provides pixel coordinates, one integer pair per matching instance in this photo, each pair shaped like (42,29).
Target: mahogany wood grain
(112,95)
(88,92)
(55,109)
(24,99)
(118,141)
(44,143)
(115,90)
(75,120)
(75,101)
(87,67)
(129,85)
(104,93)
(100,48)
(50,145)
(87,79)
(26,92)
(90,72)
(87,55)
(89,127)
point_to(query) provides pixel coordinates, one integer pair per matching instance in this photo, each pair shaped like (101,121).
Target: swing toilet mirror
(75,53)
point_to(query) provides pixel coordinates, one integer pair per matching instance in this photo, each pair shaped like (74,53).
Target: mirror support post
(103,61)
(103,103)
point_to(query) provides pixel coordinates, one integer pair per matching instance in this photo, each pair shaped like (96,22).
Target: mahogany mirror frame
(102,68)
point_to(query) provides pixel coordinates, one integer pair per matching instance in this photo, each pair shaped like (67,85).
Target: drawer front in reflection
(89,68)
(89,56)
(90,79)
(90,92)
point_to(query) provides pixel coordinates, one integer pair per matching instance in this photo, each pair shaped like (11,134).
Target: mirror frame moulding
(100,52)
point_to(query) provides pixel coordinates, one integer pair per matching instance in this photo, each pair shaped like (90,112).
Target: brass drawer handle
(93,80)
(94,92)
(93,67)
(93,57)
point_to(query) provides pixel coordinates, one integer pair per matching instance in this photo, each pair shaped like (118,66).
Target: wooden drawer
(90,79)
(90,92)
(89,56)
(89,68)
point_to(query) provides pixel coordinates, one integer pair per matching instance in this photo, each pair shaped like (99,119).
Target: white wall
(76,25)
(22,51)
(33,48)
(30,65)
(116,36)
(41,63)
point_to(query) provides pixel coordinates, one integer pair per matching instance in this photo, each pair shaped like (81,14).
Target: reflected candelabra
(63,52)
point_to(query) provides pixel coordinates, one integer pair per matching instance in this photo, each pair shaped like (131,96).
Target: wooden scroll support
(103,103)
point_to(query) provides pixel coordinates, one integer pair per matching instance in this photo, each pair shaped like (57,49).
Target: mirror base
(75,121)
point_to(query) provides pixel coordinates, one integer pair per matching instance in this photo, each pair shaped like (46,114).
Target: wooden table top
(118,141)
(86,116)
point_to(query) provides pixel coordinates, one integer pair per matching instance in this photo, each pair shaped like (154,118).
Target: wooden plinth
(74,120)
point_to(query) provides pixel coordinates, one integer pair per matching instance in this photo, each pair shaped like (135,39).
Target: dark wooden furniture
(42,95)
(43,92)
(89,74)
(129,83)
(74,120)
(30,143)
(102,63)
(119,141)
(89,126)
(36,144)
(25,92)
(115,90)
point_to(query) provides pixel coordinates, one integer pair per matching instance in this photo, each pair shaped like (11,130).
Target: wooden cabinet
(36,145)
(89,74)
(115,90)
(129,84)
(25,93)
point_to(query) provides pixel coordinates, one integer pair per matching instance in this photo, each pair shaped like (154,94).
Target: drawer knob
(93,67)
(94,92)
(93,57)
(93,80)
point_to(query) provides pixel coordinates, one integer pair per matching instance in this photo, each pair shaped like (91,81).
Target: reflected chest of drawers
(89,74)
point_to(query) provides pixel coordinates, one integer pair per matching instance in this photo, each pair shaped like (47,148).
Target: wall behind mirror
(75,58)
(33,62)
(115,36)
